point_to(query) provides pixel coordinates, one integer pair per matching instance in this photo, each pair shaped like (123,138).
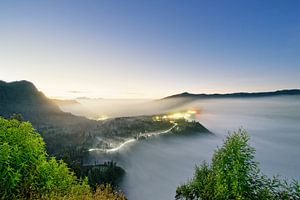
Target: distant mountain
(235,95)
(23,97)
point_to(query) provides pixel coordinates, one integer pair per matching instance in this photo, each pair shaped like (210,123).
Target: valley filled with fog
(101,109)
(154,167)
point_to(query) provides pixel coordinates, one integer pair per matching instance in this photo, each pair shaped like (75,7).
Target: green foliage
(22,151)
(27,173)
(18,117)
(107,173)
(106,192)
(73,156)
(234,167)
(102,192)
(234,174)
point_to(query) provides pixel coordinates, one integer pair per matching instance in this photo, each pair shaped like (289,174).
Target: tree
(27,173)
(18,117)
(234,174)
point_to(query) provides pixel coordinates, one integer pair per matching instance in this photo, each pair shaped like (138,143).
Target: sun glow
(102,117)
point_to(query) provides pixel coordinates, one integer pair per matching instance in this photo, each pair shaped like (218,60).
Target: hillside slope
(236,95)
(56,126)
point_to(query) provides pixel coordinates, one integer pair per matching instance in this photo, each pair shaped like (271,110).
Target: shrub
(27,173)
(234,174)
(22,153)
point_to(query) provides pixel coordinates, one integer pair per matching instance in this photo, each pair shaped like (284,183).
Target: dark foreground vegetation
(26,171)
(108,172)
(234,174)
(189,127)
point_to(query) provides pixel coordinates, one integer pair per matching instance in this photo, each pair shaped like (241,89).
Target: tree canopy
(26,172)
(234,174)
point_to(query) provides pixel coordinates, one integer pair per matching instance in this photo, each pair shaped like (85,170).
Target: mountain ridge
(236,95)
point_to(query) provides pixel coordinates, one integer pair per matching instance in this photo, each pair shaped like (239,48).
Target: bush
(27,173)
(234,174)
(107,173)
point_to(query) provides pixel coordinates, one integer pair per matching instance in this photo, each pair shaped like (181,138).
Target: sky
(150,49)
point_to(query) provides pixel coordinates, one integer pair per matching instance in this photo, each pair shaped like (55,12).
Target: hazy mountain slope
(60,129)
(56,127)
(24,98)
(236,95)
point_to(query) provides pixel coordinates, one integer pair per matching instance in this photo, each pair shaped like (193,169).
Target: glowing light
(114,149)
(192,111)
(102,117)
(187,115)
(157,118)
(174,116)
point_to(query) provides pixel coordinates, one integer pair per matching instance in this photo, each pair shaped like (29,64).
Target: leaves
(234,174)
(27,173)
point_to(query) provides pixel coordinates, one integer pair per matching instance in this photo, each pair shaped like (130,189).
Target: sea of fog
(156,166)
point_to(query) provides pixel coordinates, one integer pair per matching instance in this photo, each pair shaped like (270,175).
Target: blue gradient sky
(150,49)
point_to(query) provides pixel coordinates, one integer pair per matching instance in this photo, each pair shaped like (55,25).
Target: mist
(155,167)
(111,108)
